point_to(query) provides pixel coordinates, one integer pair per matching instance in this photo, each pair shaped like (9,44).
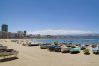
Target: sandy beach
(34,56)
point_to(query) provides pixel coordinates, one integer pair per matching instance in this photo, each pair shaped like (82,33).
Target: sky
(51,16)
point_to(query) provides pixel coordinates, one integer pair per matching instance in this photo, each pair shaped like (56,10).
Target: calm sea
(74,41)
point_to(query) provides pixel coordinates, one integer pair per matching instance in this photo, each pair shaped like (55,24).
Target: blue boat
(57,49)
(54,48)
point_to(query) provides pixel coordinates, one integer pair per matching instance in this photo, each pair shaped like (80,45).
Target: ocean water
(74,41)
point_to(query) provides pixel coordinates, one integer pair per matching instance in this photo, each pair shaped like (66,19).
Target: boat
(3,47)
(82,47)
(86,51)
(74,50)
(57,49)
(33,44)
(4,51)
(95,50)
(65,49)
(8,52)
(44,46)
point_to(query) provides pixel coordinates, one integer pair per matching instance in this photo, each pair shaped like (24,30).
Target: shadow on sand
(8,59)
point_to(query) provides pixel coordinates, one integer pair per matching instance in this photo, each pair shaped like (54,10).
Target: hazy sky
(46,16)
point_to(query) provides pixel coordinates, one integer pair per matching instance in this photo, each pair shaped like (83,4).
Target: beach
(34,56)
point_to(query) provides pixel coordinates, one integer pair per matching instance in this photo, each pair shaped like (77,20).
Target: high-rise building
(4,28)
(25,33)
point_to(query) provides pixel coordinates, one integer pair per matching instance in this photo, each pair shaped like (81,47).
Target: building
(4,28)
(4,34)
(25,33)
(20,34)
(4,31)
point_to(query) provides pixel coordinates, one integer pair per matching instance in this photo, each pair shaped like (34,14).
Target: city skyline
(51,16)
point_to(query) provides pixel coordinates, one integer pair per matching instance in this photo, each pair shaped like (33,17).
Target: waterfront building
(4,28)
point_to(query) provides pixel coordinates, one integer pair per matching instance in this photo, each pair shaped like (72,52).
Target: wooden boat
(65,49)
(3,47)
(8,52)
(57,49)
(86,51)
(95,50)
(74,50)
(33,44)
(44,46)
(83,47)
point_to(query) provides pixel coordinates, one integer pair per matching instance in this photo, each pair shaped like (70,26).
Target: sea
(73,41)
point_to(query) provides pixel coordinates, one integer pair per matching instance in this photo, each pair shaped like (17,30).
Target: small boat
(3,47)
(51,48)
(95,50)
(86,51)
(57,49)
(54,48)
(65,49)
(74,50)
(33,44)
(8,52)
(44,46)
(83,47)
(4,52)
